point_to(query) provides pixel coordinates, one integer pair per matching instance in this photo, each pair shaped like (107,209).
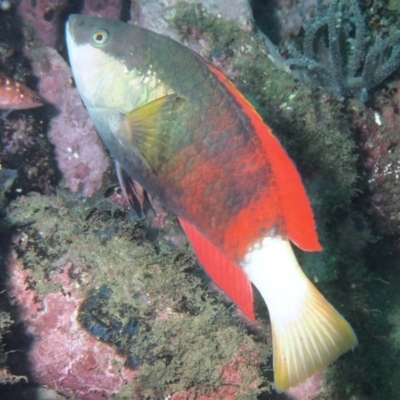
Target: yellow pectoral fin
(148,129)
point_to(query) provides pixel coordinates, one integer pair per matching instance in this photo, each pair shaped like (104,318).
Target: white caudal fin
(307,332)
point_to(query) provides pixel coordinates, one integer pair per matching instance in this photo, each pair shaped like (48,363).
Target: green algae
(186,336)
(393,6)
(192,20)
(6,377)
(371,371)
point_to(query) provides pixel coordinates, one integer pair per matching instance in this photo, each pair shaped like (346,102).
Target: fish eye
(100,37)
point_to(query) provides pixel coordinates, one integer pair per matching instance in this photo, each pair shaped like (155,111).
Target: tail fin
(307,332)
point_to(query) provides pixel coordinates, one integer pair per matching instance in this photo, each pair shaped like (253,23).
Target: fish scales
(207,125)
(179,128)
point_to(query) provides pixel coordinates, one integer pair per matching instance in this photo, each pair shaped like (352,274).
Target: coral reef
(24,147)
(79,151)
(157,15)
(41,19)
(77,262)
(103,8)
(378,142)
(147,304)
(23,143)
(344,65)
(52,323)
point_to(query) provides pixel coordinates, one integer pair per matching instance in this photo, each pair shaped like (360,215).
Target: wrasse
(16,96)
(180,131)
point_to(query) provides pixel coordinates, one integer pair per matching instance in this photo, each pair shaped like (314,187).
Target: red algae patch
(63,355)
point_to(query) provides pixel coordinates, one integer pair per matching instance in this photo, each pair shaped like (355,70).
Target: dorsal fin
(222,270)
(297,212)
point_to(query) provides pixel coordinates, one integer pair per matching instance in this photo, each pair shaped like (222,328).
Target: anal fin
(222,270)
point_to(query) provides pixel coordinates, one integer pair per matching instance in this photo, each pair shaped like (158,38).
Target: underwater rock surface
(106,311)
(147,304)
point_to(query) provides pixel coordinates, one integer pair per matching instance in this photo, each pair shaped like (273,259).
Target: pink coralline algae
(307,389)
(79,151)
(63,356)
(41,16)
(102,8)
(378,137)
(232,377)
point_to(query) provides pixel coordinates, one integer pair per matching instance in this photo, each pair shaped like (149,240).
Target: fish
(182,133)
(16,96)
